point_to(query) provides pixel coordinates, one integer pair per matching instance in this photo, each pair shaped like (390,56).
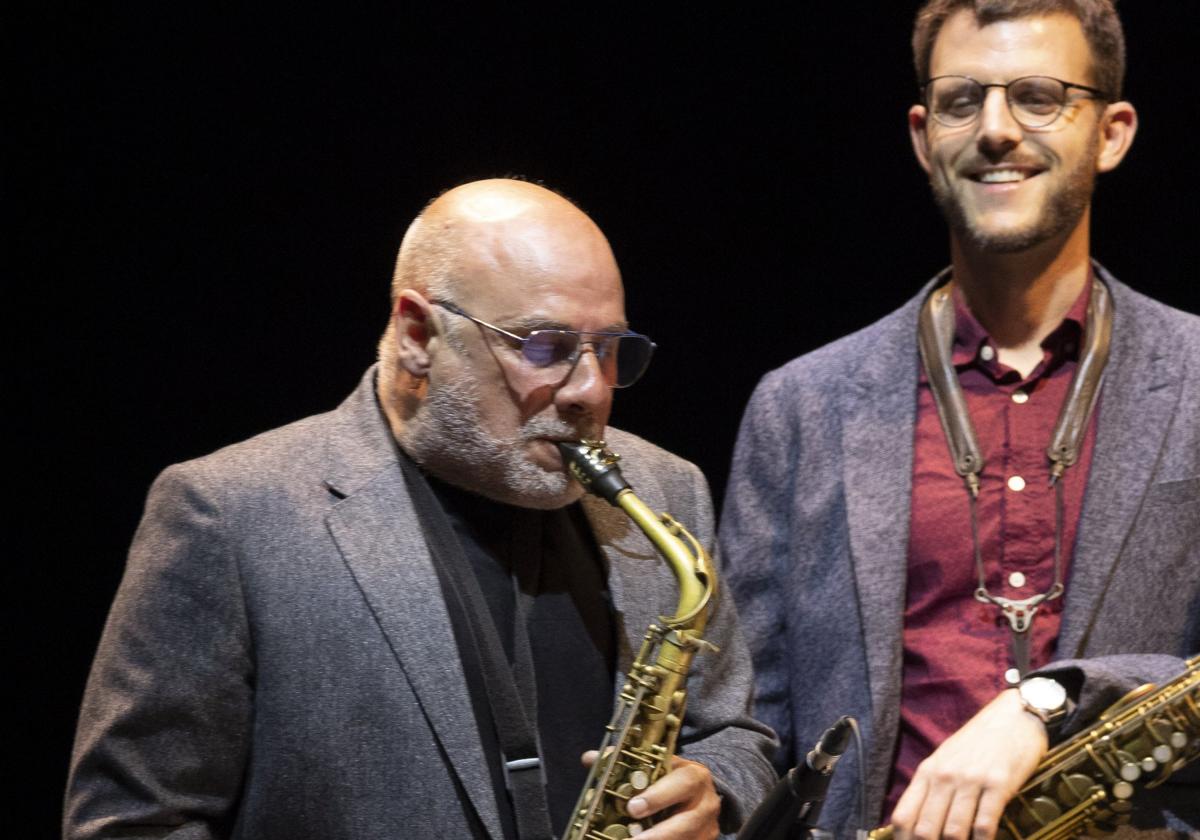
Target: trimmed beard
(447,438)
(1061,212)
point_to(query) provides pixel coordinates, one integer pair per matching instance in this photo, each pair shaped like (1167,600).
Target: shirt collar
(970,337)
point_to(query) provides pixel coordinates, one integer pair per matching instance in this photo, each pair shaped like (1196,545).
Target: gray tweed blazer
(815,532)
(279,662)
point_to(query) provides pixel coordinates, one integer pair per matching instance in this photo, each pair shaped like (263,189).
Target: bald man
(349,627)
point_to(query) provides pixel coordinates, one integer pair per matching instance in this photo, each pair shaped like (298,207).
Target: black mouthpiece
(594,467)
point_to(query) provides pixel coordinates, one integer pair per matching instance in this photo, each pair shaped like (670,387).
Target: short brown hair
(1101,27)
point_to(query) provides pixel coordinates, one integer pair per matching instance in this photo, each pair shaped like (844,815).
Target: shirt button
(1016,580)
(987,353)
(1020,397)
(1016,484)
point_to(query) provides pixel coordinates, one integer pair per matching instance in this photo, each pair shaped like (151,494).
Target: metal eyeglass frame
(1062,106)
(573,359)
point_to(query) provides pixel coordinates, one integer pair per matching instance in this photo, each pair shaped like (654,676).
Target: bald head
(499,214)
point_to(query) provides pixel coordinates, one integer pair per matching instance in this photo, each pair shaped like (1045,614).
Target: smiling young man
(316,626)
(1001,479)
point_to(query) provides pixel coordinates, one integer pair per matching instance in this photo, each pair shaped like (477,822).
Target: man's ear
(1118,125)
(917,123)
(412,318)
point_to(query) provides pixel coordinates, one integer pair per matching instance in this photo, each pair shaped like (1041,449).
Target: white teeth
(1001,176)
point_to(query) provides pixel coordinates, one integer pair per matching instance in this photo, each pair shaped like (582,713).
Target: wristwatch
(1044,698)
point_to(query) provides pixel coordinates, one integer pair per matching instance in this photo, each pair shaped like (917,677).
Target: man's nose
(999,131)
(585,390)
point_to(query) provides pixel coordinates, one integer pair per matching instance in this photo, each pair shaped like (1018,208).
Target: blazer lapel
(1140,389)
(378,534)
(877,414)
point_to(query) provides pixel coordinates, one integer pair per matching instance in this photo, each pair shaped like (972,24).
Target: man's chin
(549,491)
(552,501)
(1007,241)
(1006,233)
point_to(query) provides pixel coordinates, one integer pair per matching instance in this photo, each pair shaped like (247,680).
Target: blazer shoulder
(1143,308)
(1145,326)
(832,365)
(285,448)
(666,481)
(651,462)
(347,446)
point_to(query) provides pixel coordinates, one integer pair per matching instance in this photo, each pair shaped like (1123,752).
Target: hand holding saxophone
(685,796)
(961,789)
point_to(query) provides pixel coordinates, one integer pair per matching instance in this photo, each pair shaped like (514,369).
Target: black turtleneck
(569,621)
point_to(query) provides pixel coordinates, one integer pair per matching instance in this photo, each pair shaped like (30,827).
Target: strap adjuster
(522,764)
(518,765)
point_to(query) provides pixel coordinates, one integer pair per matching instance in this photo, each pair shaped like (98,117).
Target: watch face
(1043,693)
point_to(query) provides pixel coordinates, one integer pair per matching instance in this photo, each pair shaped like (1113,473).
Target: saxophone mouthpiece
(594,466)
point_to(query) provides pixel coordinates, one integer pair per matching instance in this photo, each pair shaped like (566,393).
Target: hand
(687,789)
(960,791)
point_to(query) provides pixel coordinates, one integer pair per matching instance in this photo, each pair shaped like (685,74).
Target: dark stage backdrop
(208,198)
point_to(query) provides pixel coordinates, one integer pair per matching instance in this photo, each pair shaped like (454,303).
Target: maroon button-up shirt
(957,649)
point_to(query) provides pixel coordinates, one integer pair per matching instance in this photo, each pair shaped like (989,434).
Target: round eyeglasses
(1034,101)
(623,356)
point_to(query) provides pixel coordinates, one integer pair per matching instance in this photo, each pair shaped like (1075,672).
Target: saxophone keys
(1178,740)
(1122,790)
(1163,753)
(1128,769)
(1045,810)
(1075,787)
(621,797)
(639,780)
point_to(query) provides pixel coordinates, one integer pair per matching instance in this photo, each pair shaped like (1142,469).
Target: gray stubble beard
(446,437)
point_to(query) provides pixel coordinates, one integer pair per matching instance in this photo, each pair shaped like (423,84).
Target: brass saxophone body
(1086,783)
(640,739)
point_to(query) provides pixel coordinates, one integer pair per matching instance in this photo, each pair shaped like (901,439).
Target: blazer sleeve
(754,542)
(164,729)
(1096,683)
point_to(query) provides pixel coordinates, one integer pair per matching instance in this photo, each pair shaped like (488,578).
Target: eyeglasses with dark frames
(1034,101)
(623,356)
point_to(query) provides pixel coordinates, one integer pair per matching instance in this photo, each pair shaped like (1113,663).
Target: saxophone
(640,739)
(1085,784)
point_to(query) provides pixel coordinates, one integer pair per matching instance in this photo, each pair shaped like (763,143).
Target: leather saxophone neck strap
(935,340)
(1085,384)
(511,697)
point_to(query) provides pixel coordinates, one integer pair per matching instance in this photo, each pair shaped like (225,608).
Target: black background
(207,201)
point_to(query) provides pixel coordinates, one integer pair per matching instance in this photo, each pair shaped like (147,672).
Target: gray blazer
(815,531)
(279,662)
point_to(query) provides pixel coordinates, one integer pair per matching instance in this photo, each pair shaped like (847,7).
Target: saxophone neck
(594,466)
(689,562)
